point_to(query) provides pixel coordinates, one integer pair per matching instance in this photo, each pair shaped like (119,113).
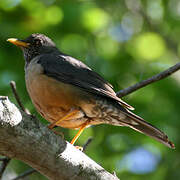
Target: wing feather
(70,70)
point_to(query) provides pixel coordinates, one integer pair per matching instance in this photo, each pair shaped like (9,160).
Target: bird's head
(34,45)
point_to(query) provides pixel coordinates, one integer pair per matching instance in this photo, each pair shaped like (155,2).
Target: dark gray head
(34,45)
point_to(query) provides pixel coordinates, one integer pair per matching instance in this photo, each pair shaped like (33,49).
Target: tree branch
(5,162)
(24,174)
(13,87)
(23,137)
(87,144)
(146,82)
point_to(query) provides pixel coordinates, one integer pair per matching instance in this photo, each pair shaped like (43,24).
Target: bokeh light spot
(121,139)
(6,77)
(74,44)
(107,47)
(54,15)
(94,19)
(149,46)
(155,9)
(139,161)
(9,4)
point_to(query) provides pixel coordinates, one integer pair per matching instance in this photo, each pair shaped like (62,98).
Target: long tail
(137,123)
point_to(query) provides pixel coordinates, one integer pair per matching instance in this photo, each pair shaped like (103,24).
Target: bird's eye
(37,42)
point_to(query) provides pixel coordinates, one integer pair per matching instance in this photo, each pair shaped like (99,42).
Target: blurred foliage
(125,41)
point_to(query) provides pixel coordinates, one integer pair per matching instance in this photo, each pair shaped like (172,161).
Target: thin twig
(144,83)
(5,162)
(13,87)
(24,174)
(87,144)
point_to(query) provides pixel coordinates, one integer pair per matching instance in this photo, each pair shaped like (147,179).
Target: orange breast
(54,99)
(50,96)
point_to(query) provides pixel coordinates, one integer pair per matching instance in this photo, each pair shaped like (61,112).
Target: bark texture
(23,137)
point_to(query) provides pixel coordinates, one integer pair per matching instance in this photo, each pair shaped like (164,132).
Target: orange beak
(18,42)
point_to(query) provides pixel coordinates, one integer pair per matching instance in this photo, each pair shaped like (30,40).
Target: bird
(68,93)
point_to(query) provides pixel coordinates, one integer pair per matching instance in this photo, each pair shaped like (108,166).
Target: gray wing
(69,70)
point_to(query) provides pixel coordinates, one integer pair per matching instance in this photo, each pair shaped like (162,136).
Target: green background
(125,41)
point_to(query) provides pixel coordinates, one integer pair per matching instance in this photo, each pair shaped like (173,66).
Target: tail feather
(137,123)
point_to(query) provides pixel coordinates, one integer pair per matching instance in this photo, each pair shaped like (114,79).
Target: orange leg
(79,132)
(70,114)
